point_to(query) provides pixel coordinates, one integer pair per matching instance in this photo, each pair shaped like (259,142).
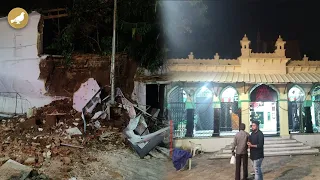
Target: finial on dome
(216,57)
(245,38)
(280,38)
(191,56)
(305,59)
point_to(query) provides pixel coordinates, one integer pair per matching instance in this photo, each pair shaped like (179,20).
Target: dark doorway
(228,122)
(315,109)
(264,108)
(205,113)
(155,97)
(296,97)
(176,110)
(230,118)
(295,110)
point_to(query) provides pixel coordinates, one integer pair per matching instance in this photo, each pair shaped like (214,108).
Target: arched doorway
(230,117)
(264,108)
(176,106)
(315,108)
(296,97)
(203,112)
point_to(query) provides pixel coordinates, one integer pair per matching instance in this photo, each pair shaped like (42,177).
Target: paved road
(274,168)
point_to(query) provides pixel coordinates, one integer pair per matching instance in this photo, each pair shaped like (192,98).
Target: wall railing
(12,103)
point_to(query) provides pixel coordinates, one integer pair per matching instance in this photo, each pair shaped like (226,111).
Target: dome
(245,38)
(280,39)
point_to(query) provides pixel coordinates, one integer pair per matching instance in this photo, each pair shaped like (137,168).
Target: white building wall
(139,94)
(19,63)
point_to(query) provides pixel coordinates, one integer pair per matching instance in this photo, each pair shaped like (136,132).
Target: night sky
(230,20)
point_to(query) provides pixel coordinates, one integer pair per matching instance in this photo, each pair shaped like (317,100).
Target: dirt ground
(274,168)
(120,164)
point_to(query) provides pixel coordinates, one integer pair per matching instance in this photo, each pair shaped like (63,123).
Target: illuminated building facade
(210,97)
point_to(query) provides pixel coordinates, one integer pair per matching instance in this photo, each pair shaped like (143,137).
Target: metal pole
(15,111)
(113,52)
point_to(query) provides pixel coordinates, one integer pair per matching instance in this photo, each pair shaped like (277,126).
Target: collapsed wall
(28,80)
(20,88)
(62,80)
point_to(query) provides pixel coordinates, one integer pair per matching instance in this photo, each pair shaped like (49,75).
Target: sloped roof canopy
(234,77)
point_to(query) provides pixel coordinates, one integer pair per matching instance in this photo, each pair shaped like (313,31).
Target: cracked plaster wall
(19,63)
(139,94)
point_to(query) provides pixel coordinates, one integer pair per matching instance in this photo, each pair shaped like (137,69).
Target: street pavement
(274,168)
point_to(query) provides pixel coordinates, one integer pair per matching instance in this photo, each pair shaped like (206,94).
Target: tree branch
(93,40)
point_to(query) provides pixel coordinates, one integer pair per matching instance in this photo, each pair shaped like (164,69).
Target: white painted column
(283,115)
(245,111)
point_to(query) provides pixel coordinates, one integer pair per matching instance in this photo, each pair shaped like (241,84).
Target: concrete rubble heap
(58,131)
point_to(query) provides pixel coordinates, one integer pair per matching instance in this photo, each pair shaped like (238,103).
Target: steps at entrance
(275,147)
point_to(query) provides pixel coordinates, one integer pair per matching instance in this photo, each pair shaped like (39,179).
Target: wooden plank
(54,10)
(55,16)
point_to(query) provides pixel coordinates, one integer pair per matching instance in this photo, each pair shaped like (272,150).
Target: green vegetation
(141,32)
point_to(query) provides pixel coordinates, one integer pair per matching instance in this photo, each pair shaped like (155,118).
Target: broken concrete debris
(76,124)
(85,93)
(97,124)
(101,114)
(70,145)
(47,154)
(30,161)
(73,131)
(56,132)
(144,142)
(66,160)
(13,170)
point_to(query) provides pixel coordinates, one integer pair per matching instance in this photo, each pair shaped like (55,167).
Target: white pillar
(283,115)
(245,111)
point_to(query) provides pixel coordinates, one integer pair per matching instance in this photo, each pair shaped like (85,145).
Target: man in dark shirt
(256,143)
(240,144)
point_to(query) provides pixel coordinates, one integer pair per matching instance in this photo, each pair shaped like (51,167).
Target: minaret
(280,50)
(305,60)
(191,56)
(245,49)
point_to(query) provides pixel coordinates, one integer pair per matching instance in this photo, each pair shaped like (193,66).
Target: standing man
(240,144)
(256,143)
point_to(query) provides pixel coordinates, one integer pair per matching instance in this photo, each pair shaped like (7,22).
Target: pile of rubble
(63,130)
(54,130)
